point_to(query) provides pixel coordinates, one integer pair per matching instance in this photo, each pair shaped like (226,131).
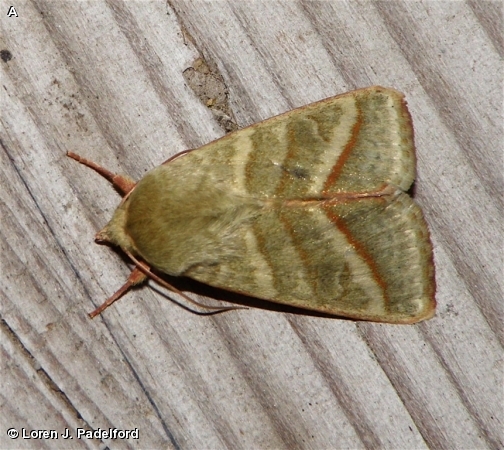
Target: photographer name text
(99,433)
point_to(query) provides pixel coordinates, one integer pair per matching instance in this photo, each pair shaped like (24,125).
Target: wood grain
(105,79)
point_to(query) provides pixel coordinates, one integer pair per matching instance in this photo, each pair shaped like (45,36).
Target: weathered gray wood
(105,79)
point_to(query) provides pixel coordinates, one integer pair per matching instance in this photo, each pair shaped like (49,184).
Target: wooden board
(105,79)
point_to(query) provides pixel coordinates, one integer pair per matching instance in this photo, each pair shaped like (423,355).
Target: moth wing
(369,259)
(355,142)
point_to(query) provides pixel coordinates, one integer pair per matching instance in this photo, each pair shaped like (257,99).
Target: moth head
(114,232)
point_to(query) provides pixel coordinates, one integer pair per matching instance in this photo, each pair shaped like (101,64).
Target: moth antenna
(145,269)
(135,277)
(121,182)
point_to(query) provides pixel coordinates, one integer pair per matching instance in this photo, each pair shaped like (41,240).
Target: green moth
(308,209)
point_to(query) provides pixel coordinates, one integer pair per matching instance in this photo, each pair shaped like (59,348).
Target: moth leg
(145,269)
(121,182)
(136,277)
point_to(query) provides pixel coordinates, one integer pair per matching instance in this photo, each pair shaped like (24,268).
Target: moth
(309,209)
